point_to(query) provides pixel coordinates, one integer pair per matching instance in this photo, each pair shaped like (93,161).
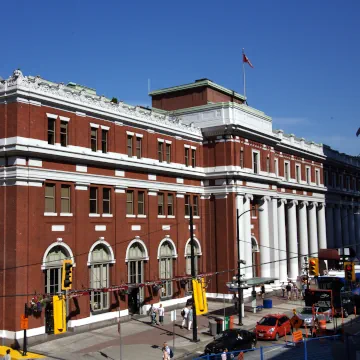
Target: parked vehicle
(233,340)
(272,327)
(306,315)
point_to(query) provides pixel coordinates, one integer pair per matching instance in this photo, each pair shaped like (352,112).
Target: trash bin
(226,322)
(219,325)
(267,303)
(212,327)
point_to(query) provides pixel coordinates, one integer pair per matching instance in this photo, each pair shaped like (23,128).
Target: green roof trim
(197,84)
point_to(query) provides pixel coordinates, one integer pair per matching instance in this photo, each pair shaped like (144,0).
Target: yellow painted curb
(16,354)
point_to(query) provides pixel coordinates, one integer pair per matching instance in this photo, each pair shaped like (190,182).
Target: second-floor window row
(50,198)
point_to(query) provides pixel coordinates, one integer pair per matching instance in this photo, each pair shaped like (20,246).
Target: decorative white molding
(100,227)
(137,240)
(50,214)
(119,173)
(94,215)
(103,127)
(179,180)
(66,214)
(81,168)
(67,248)
(135,227)
(198,243)
(79,113)
(52,116)
(17,161)
(171,242)
(151,177)
(104,243)
(83,187)
(58,228)
(35,162)
(64,118)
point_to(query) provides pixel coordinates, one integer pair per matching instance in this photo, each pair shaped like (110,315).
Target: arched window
(52,266)
(100,259)
(197,254)
(166,255)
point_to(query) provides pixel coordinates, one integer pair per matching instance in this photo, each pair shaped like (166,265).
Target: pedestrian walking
(262,291)
(184,314)
(190,318)
(7,356)
(168,350)
(288,291)
(166,355)
(235,301)
(296,292)
(283,288)
(161,312)
(224,354)
(152,313)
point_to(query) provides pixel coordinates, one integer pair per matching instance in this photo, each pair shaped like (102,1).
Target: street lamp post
(239,281)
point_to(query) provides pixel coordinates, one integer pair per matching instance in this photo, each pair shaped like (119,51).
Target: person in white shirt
(184,314)
(161,312)
(224,354)
(7,356)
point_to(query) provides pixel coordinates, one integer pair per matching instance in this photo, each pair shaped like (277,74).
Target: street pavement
(140,340)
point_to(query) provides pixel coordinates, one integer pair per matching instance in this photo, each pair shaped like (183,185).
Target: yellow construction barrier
(200,296)
(59,310)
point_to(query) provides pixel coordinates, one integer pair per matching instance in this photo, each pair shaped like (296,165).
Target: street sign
(24,322)
(173,315)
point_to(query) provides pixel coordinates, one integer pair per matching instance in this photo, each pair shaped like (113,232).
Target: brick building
(110,186)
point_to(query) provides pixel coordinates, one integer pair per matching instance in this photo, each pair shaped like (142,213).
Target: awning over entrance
(260,280)
(329,254)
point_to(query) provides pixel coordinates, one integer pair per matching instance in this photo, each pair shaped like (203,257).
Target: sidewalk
(141,340)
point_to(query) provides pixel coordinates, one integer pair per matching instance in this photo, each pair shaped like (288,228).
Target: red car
(272,327)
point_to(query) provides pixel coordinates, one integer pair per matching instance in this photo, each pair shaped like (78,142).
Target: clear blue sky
(306,53)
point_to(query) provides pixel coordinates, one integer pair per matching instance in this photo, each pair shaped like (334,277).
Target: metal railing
(318,348)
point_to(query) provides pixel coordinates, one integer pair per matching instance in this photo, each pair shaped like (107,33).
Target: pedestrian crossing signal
(349,271)
(314,267)
(66,275)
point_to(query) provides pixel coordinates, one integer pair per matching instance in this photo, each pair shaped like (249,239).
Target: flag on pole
(246,60)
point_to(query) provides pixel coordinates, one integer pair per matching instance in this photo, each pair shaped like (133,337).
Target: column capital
(265,198)
(249,197)
(282,201)
(304,203)
(313,204)
(321,205)
(292,202)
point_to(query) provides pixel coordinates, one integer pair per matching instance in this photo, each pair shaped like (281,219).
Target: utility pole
(193,275)
(25,338)
(239,262)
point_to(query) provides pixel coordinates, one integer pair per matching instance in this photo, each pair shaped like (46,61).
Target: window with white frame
(317,177)
(298,173)
(268,164)
(276,166)
(256,162)
(99,277)
(188,261)
(167,254)
(53,269)
(287,170)
(307,175)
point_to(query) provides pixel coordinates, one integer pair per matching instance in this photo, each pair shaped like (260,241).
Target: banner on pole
(173,315)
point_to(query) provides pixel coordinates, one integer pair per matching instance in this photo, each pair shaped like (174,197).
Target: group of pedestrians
(292,291)
(153,312)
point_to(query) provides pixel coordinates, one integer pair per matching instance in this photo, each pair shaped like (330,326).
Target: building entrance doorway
(134,301)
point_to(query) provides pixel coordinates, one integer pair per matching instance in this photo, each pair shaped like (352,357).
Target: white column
(338,227)
(345,225)
(240,246)
(282,241)
(303,231)
(321,226)
(247,237)
(292,240)
(264,237)
(313,238)
(330,228)
(274,239)
(357,231)
(352,241)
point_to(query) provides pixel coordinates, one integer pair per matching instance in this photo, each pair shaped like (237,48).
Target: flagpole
(243,65)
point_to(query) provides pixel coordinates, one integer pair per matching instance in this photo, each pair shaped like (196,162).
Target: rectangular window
(334,180)
(160,151)
(168,153)
(193,158)
(242,158)
(50,198)
(187,154)
(130,145)
(317,177)
(141,203)
(276,166)
(65,199)
(298,173)
(64,133)
(326,178)
(347,183)
(256,162)
(93,139)
(104,141)
(99,279)
(138,147)
(268,164)
(93,200)
(130,202)
(341,182)
(160,204)
(195,205)
(308,179)
(354,184)
(187,205)
(166,273)
(107,201)
(286,171)
(170,204)
(51,131)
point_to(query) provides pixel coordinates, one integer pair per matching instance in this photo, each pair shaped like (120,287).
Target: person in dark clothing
(262,291)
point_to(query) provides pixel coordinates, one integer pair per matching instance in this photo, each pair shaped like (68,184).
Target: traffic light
(66,281)
(314,267)
(349,268)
